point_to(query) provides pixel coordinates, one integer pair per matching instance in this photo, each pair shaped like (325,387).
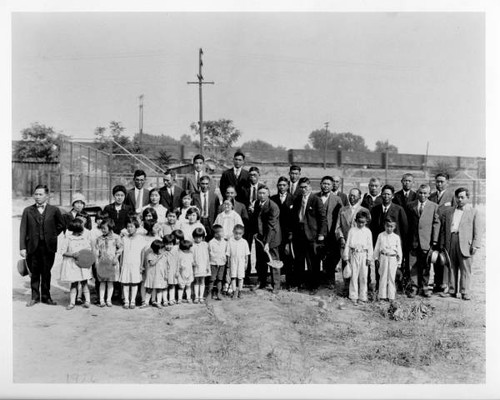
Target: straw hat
(78,197)
(22,267)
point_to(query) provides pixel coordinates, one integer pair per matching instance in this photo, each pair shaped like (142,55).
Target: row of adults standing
(295,225)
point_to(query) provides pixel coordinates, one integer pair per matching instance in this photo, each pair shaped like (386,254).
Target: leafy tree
(346,141)
(164,159)
(116,133)
(40,143)
(260,145)
(219,136)
(383,146)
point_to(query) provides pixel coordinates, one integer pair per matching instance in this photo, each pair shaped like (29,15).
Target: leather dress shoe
(50,302)
(31,303)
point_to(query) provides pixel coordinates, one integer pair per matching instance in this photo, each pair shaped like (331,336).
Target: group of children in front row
(157,258)
(359,255)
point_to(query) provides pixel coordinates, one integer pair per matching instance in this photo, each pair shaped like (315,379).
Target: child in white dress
(171,256)
(150,236)
(184,275)
(70,271)
(156,271)
(201,264)
(108,249)
(358,252)
(130,274)
(192,222)
(387,255)
(237,253)
(228,219)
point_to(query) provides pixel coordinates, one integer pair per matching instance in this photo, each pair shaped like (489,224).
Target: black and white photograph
(250,202)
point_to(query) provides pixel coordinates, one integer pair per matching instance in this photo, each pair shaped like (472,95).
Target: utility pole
(200,84)
(141,117)
(326,144)
(386,160)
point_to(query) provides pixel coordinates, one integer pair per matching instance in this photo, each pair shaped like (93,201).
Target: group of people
(189,241)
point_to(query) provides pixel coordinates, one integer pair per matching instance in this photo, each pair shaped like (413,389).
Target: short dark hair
(170,172)
(407,175)
(199,232)
(205,178)
(109,222)
(390,187)
(187,192)
(119,188)
(101,215)
(178,234)
(294,167)
(327,178)
(254,169)
(217,227)
(185,244)
(362,214)
(152,211)
(169,239)
(239,227)
(443,175)
(139,172)
(304,179)
(133,220)
(76,226)
(152,190)
(389,220)
(239,153)
(198,157)
(44,187)
(284,179)
(460,190)
(156,245)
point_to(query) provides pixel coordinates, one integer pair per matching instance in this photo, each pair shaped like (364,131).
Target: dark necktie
(205,205)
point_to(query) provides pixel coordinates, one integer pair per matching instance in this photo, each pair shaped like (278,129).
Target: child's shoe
(196,301)
(239,294)
(86,304)
(132,306)
(126,306)
(70,307)
(102,304)
(108,304)
(79,301)
(189,301)
(144,305)
(202,300)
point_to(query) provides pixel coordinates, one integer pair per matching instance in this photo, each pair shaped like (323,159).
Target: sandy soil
(288,337)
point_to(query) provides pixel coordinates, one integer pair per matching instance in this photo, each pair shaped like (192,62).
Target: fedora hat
(22,267)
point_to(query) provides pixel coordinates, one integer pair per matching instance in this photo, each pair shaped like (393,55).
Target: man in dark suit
(336,182)
(236,176)
(192,181)
(251,188)
(265,219)
(205,200)
(331,249)
(240,208)
(170,194)
(41,223)
(382,211)
(294,174)
(460,235)
(309,230)
(423,235)
(372,198)
(402,198)
(284,200)
(138,197)
(443,196)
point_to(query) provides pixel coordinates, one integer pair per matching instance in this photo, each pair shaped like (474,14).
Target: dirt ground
(290,337)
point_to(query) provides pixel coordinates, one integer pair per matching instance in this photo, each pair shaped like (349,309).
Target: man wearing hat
(41,223)
(78,205)
(460,236)
(423,235)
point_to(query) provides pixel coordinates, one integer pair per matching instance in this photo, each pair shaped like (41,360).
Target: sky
(410,78)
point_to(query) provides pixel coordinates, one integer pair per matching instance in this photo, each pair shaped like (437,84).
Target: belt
(358,250)
(388,254)
(454,233)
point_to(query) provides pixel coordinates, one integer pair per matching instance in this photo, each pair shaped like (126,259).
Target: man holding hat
(423,235)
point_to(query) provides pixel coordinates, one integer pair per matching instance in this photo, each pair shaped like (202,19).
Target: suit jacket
(345,220)
(51,223)
(332,208)
(68,217)
(400,199)
(285,212)
(368,202)
(130,198)
(246,192)
(396,213)
(343,198)
(423,230)
(240,208)
(265,220)
(189,182)
(315,222)
(169,202)
(119,217)
(469,230)
(229,179)
(446,200)
(211,207)
(296,192)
